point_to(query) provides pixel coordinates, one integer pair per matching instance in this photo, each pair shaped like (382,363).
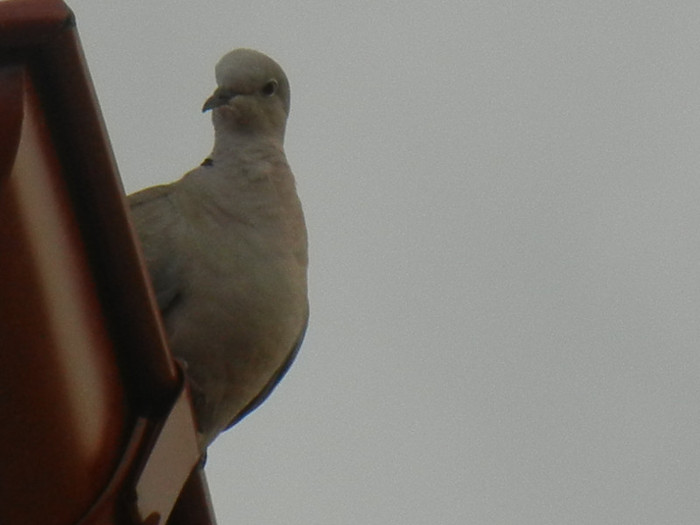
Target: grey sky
(504,205)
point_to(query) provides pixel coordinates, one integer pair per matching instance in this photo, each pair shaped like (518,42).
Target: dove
(226,249)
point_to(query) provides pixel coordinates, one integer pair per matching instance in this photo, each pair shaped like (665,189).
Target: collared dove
(226,249)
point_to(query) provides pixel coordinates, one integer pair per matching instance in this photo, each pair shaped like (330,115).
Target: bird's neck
(251,164)
(246,142)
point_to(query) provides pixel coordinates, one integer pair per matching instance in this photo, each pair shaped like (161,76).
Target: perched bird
(226,249)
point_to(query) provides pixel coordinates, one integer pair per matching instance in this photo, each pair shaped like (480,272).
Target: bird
(226,249)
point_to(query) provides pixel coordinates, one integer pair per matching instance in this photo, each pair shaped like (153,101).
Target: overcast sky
(503,201)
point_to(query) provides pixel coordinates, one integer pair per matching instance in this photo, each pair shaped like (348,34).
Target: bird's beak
(220,97)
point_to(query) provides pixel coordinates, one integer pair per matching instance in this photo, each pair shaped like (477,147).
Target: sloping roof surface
(96,419)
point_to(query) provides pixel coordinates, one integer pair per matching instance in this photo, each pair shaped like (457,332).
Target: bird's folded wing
(156,219)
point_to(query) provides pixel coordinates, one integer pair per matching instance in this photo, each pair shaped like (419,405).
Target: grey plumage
(226,249)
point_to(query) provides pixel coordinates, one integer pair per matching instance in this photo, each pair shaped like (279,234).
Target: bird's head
(252,94)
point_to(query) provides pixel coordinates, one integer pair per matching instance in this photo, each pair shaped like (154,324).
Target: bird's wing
(274,379)
(156,218)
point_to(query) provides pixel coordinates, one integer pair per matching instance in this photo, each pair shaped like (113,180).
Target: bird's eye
(270,88)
